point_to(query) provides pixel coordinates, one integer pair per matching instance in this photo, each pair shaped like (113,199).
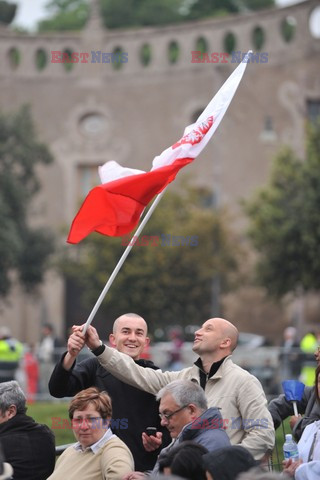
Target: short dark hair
(226,463)
(185,460)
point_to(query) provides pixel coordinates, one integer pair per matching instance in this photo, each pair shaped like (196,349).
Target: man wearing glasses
(133,409)
(227,386)
(184,412)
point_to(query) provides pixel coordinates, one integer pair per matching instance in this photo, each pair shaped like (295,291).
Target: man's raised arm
(125,369)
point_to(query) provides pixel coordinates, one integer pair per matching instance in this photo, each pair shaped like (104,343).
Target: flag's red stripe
(114,208)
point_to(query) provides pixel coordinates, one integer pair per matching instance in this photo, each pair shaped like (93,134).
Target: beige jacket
(236,392)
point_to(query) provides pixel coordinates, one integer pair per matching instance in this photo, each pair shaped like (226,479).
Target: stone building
(89,113)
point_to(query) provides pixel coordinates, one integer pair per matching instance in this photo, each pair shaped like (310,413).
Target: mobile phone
(151,431)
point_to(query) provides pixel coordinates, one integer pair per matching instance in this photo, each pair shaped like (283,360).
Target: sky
(31,11)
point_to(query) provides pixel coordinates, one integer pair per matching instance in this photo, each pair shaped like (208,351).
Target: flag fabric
(114,207)
(293,390)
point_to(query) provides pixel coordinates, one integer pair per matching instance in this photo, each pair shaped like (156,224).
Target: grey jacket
(207,430)
(280,409)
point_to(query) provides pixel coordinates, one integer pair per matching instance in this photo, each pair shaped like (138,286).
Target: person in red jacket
(31,368)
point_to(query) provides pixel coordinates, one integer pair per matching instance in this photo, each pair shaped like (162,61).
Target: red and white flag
(114,207)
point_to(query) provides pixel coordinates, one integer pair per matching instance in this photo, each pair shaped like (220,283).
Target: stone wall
(93,112)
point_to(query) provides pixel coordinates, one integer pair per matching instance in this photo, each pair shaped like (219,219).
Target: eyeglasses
(95,422)
(167,416)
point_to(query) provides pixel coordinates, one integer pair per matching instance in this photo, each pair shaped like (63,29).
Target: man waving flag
(114,207)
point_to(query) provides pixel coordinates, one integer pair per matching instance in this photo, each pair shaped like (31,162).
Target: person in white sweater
(98,454)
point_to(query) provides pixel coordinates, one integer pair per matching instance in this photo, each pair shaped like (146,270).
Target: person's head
(181,402)
(12,400)
(317,383)
(185,460)
(217,338)
(129,335)
(290,333)
(90,412)
(5,332)
(47,329)
(226,463)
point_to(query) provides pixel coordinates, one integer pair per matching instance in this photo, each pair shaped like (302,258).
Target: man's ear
(112,340)
(12,411)
(147,341)
(193,410)
(226,343)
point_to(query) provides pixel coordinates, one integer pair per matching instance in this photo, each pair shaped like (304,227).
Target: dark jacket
(132,409)
(207,430)
(280,409)
(29,447)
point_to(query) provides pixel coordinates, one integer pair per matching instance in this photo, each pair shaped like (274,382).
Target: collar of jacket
(210,416)
(224,367)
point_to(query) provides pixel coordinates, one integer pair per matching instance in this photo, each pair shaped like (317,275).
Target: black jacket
(280,409)
(132,409)
(29,447)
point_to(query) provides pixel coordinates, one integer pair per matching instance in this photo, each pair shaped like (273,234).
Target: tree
(22,248)
(7,12)
(168,283)
(65,15)
(137,13)
(285,221)
(73,14)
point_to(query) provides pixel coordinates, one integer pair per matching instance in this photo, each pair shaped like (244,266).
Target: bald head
(228,330)
(216,339)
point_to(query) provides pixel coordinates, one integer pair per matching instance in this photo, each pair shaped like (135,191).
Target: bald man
(133,409)
(237,393)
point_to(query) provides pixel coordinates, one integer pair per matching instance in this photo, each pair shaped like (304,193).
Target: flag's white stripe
(113,171)
(217,108)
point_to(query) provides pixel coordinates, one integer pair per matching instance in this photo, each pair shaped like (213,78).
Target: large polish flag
(114,207)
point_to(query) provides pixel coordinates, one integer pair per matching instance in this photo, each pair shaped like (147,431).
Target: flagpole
(122,260)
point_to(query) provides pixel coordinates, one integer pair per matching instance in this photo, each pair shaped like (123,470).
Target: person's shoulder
(232,368)
(229,364)
(115,443)
(146,364)
(44,430)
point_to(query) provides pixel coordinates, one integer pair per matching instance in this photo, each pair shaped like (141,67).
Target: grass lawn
(53,414)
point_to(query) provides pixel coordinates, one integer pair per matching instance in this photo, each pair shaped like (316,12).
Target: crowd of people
(132,420)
